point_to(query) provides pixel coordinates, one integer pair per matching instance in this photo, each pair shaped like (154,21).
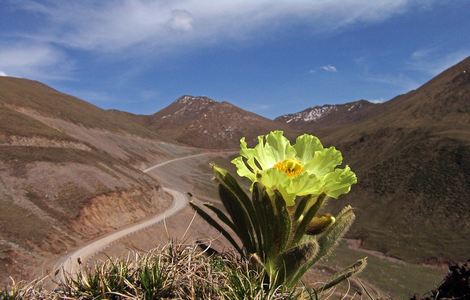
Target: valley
(77,181)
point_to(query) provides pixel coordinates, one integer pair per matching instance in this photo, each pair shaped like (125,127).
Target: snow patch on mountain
(312,114)
(317,113)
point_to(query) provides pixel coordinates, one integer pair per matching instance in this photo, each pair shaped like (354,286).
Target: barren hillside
(206,123)
(69,172)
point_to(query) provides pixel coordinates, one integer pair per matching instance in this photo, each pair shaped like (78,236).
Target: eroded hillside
(69,172)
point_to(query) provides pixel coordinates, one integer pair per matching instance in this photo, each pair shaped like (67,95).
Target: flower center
(291,167)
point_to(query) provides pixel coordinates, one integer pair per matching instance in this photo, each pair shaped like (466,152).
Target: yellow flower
(305,168)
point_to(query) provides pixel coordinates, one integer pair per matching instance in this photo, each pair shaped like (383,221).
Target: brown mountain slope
(203,122)
(31,108)
(412,156)
(47,101)
(444,99)
(68,172)
(329,116)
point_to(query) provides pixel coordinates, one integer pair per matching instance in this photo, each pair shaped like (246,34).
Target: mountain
(328,116)
(205,123)
(69,172)
(412,158)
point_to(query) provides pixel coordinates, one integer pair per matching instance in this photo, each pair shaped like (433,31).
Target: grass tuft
(172,271)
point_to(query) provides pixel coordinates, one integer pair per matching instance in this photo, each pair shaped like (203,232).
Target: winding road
(70,264)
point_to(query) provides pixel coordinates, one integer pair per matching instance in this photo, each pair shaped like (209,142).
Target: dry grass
(15,123)
(174,271)
(38,97)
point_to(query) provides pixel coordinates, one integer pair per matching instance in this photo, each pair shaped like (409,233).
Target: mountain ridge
(328,115)
(203,122)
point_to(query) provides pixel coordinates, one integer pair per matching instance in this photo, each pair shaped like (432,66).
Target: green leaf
(243,206)
(216,225)
(284,223)
(224,178)
(239,216)
(293,259)
(265,214)
(222,216)
(301,203)
(352,270)
(262,215)
(306,218)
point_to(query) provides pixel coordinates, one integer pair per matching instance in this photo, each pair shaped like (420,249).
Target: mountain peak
(203,122)
(189,99)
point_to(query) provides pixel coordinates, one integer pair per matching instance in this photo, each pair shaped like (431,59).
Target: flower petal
(242,169)
(306,145)
(339,182)
(324,161)
(280,146)
(305,184)
(275,180)
(263,154)
(317,173)
(249,155)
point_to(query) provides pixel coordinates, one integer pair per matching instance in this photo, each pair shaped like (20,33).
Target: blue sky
(270,57)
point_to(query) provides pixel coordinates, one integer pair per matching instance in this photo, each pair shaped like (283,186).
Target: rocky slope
(203,122)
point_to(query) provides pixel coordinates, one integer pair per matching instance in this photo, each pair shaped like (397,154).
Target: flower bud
(319,224)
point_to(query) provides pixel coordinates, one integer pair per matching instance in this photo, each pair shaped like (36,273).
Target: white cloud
(3,73)
(37,61)
(163,25)
(432,62)
(136,27)
(329,68)
(181,20)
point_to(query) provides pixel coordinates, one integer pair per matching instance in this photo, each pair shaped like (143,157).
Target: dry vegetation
(15,123)
(174,271)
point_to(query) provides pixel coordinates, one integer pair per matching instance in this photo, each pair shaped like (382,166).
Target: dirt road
(70,263)
(177,159)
